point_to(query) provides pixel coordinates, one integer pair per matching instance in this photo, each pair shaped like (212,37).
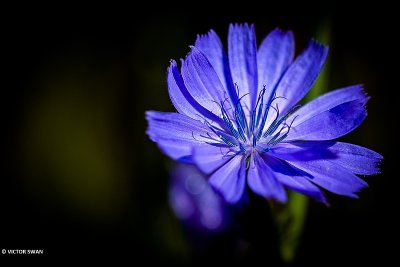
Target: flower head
(194,201)
(238,119)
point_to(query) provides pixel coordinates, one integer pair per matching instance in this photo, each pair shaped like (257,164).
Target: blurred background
(81,178)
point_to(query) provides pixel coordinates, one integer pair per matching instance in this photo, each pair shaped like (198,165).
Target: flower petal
(328,101)
(273,57)
(242,53)
(208,158)
(357,159)
(202,82)
(328,175)
(176,134)
(332,123)
(300,76)
(263,181)
(175,83)
(229,180)
(183,101)
(211,46)
(292,179)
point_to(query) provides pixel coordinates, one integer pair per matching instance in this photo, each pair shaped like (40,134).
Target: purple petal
(202,82)
(300,76)
(328,175)
(183,101)
(211,46)
(194,201)
(263,181)
(208,158)
(357,159)
(176,134)
(229,180)
(273,57)
(242,52)
(292,179)
(175,83)
(332,123)
(328,101)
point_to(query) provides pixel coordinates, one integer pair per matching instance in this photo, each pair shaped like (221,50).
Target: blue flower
(238,119)
(194,201)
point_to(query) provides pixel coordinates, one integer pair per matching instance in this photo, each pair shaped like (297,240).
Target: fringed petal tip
(314,42)
(241,26)
(201,38)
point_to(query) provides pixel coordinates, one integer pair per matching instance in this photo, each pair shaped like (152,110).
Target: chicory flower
(239,122)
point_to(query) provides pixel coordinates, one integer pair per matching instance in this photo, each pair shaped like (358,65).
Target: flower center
(252,130)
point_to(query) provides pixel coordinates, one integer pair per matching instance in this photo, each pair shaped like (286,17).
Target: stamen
(194,137)
(253,120)
(259,134)
(239,121)
(288,126)
(228,122)
(226,138)
(254,140)
(264,119)
(278,139)
(226,141)
(224,155)
(276,124)
(260,109)
(209,137)
(276,135)
(242,129)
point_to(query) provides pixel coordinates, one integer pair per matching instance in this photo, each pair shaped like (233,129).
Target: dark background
(81,178)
